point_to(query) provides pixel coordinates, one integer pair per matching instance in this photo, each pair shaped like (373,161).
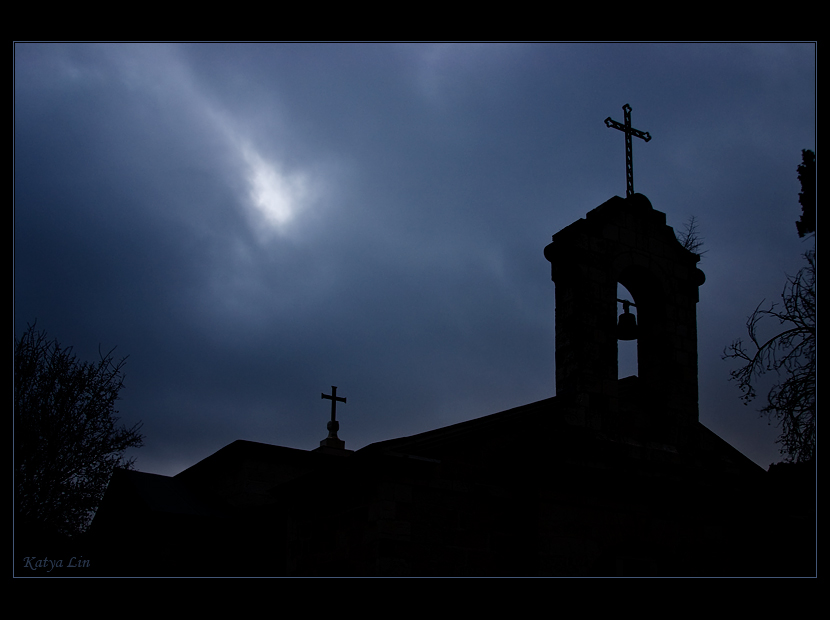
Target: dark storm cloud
(254,223)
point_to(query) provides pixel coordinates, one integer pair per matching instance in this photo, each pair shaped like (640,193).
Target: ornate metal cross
(629,131)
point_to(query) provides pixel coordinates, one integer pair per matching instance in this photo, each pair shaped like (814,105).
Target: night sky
(254,223)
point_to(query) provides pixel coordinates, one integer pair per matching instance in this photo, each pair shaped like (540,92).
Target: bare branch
(690,237)
(791,355)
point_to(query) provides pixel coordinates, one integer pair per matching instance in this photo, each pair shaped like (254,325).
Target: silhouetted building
(609,477)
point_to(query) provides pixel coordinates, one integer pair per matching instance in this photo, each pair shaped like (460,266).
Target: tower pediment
(626,241)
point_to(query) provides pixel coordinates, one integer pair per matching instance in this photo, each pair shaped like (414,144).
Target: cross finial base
(332,427)
(333,442)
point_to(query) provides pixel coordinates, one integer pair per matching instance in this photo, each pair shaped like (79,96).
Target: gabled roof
(544,430)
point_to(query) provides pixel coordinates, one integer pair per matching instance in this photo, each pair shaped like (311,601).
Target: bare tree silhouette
(66,439)
(791,353)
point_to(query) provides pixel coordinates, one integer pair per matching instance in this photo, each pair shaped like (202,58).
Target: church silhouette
(611,477)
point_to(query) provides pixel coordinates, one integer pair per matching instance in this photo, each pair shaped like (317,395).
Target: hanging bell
(627,325)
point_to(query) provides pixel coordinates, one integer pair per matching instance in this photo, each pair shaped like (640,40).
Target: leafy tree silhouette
(807,196)
(66,439)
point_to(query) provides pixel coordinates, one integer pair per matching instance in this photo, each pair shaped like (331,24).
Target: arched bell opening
(627,334)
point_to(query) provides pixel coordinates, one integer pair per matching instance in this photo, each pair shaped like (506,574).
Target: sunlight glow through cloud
(272,195)
(275,196)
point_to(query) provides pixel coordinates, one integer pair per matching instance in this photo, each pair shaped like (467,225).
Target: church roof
(545,428)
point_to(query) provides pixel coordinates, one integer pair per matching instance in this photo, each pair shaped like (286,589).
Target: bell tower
(626,241)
